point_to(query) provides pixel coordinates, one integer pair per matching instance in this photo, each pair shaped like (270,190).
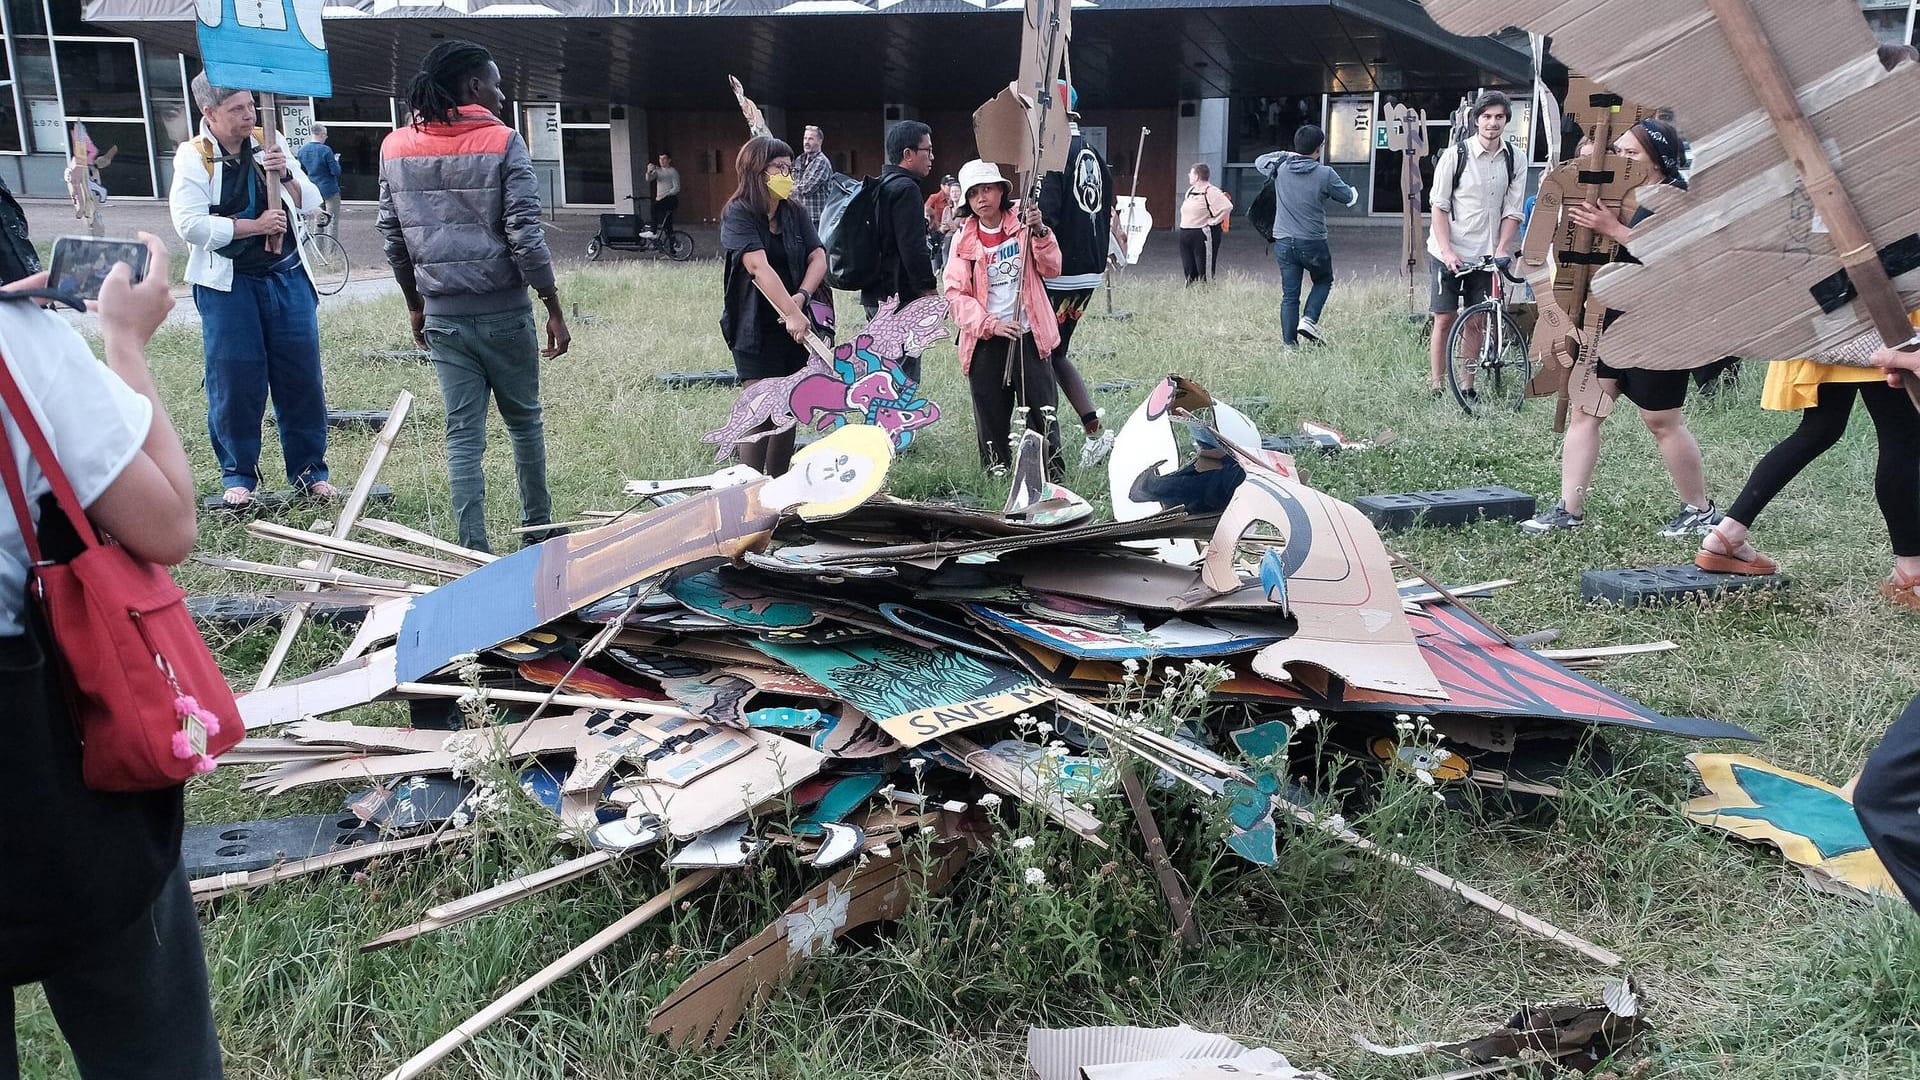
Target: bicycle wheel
(679,246)
(594,247)
(326,264)
(1487,364)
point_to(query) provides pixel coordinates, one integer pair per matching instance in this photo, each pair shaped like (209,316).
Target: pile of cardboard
(737,662)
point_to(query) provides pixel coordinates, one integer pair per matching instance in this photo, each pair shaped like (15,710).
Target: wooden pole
(1873,288)
(547,976)
(356,499)
(1177,904)
(269,131)
(499,896)
(529,697)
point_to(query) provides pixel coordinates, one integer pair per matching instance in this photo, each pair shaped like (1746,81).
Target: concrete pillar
(621,144)
(1201,136)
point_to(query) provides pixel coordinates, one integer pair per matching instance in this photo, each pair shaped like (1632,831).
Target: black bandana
(1664,150)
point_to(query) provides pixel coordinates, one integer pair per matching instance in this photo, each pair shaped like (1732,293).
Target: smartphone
(81,263)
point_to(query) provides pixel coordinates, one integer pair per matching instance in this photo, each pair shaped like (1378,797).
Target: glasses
(927,150)
(776,168)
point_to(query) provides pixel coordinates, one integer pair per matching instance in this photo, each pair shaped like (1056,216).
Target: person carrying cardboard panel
(1659,394)
(259,314)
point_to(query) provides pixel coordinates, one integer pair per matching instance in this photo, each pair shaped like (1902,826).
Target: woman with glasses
(774,262)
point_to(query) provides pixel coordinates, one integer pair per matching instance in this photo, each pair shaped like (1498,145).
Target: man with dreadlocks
(461,215)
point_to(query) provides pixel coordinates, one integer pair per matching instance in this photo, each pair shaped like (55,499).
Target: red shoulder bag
(148,698)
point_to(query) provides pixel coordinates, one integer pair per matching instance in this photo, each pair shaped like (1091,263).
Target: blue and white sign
(272,46)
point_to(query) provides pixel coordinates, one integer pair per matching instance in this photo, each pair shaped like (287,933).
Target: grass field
(1749,974)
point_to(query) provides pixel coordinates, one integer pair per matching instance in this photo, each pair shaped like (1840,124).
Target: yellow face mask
(781,186)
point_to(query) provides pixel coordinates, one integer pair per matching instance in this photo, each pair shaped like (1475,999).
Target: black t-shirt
(1077,205)
(243,195)
(748,322)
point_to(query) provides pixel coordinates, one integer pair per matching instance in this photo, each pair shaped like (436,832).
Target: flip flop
(320,489)
(237,497)
(1899,589)
(1715,563)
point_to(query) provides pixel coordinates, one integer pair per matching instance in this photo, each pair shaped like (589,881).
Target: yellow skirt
(1795,384)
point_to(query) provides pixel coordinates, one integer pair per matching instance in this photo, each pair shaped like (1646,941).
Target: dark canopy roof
(858,53)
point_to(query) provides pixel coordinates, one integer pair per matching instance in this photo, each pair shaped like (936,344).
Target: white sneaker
(1097,448)
(1311,331)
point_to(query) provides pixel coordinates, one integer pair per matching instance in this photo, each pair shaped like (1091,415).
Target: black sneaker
(529,539)
(1693,521)
(1553,520)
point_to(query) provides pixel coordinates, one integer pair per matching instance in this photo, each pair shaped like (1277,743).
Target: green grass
(1749,973)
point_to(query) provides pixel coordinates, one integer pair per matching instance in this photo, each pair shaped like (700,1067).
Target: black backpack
(1265,206)
(18,258)
(1460,162)
(851,234)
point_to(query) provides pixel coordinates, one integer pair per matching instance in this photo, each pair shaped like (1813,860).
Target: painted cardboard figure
(862,383)
(275,46)
(531,588)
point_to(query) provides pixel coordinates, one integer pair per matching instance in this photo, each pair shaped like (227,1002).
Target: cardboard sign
(914,694)
(272,46)
(1810,821)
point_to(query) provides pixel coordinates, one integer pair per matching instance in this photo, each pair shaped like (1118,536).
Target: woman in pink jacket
(995,278)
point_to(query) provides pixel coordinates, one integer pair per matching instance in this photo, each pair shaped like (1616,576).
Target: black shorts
(1069,305)
(1450,289)
(777,357)
(1653,391)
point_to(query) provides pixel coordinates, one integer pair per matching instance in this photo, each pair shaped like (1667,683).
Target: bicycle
(326,257)
(626,232)
(1499,351)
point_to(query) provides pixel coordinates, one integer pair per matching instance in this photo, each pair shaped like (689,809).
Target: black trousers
(133,1004)
(995,397)
(1896,477)
(663,212)
(1887,799)
(1193,253)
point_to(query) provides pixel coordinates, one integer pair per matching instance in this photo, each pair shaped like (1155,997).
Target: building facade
(601,87)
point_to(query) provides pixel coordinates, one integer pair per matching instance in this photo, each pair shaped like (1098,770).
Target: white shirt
(1484,201)
(196,190)
(1004,265)
(95,423)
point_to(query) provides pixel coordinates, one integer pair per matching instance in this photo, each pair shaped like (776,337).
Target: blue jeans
(497,354)
(261,339)
(1312,257)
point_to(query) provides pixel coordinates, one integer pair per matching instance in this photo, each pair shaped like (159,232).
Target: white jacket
(196,190)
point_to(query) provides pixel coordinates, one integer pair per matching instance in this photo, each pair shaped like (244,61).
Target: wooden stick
(1345,834)
(269,130)
(356,499)
(214,887)
(320,577)
(1874,290)
(1177,904)
(547,976)
(300,538)
(427,540)
(492,899)
(529,697)
(1602,652)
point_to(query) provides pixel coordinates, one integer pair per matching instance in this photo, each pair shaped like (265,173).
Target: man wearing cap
(1077,204)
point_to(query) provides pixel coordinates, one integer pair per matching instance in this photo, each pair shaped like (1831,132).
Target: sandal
(237,497)
(322,490)
(1733,562)
(1900,589)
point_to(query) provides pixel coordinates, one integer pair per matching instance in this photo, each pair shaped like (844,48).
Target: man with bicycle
(323,168)
(1479,191)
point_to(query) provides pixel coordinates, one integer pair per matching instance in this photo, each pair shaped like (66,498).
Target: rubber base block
(1668,585)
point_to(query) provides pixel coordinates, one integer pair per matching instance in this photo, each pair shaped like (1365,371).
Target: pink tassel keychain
(196,726)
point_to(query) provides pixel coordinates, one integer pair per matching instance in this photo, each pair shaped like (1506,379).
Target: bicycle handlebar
(1487,264)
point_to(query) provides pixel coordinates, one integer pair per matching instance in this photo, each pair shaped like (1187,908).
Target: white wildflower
(1043,728)
(1305,718)
(989,801)
(1425,776)
(1022,843)
(1036,877)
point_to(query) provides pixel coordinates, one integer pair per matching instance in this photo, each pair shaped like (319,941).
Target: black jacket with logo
(1077,204)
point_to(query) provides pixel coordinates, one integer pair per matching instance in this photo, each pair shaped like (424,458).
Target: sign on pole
(272,46)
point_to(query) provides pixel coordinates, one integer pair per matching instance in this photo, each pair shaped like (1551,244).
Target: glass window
(589,165)
(583,114)
(67,20)
(28,17)
(35,59)
(352,107)
(99,78)
(359,150)
(9,121)
(129,172)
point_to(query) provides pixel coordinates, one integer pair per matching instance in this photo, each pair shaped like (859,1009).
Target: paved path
(1362,250)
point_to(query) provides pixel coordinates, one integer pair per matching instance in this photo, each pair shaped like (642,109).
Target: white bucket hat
(975,173)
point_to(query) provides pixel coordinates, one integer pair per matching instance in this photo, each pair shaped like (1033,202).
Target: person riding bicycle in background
(1479,188)
(1659,394)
